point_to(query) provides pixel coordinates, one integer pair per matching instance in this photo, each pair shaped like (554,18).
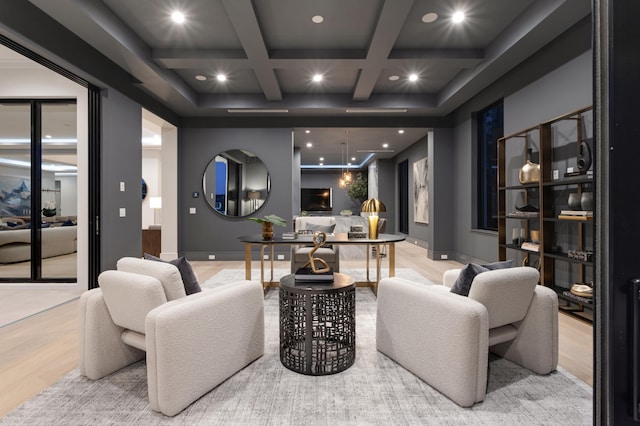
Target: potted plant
(358,190)
(267,224)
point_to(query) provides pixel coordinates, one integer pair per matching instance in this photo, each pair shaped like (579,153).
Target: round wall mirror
(236,183)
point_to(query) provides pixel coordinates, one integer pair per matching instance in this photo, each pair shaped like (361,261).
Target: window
(490,124)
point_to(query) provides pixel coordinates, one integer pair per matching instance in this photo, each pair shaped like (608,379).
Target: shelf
(518,248)
(563,256)
(520,187)
(555,219)
(572,298)
(569,181)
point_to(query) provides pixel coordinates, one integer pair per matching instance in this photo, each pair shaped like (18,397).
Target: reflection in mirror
(236,183)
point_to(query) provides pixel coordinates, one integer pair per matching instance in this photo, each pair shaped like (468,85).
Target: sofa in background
(300,253)
(15,242)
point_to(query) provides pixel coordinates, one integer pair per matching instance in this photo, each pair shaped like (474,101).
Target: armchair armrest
(449,277)
(439,336)
(197,342)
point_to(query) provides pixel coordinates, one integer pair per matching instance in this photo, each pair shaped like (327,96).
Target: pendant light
(342,183)
(346,176)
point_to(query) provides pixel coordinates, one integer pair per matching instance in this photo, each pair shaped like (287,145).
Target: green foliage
(276,220)
(358,190)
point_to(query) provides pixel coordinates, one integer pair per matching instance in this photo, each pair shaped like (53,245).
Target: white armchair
(192,343)
(445,338)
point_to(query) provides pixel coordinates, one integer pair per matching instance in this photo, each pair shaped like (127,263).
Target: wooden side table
(152,242)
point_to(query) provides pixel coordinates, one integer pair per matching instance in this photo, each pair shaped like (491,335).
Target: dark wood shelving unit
(550,145)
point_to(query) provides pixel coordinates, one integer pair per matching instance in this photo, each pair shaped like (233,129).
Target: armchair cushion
(189,278)
(322,228)
(167,274)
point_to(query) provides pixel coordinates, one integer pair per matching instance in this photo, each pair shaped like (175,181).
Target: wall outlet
(192,210)
(265,257)
(123,212)
(556,174)
(444,256)
(212,257)
(281,257)
(121,186)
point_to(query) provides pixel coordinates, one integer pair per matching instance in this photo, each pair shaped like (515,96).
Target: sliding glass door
(38,190)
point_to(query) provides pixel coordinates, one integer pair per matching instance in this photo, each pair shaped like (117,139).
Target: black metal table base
(317,329)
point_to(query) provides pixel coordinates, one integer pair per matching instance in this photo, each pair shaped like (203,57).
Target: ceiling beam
(392,17)
(244,21)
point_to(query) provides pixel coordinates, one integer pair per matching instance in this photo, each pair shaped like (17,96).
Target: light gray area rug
(229,275)
(374,391)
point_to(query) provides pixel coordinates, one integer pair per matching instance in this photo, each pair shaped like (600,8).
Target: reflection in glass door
(38,190)
(15,190)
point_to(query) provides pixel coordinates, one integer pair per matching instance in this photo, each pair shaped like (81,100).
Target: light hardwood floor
(37,351)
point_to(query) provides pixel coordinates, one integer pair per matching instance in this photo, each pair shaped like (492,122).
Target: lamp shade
(155,202)
(373,205)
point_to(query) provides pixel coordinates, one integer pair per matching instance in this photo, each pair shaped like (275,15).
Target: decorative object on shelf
(574,201)
(267,224)
(373,207)
(584,157)
(530,172)
(582,290)
(530,247)
(582,255)
(49,209)
(527,208)
(517,236)
(535,236)
(319,239)
(586,201)
(289,235)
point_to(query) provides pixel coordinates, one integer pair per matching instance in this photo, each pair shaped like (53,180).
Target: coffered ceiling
(269,51)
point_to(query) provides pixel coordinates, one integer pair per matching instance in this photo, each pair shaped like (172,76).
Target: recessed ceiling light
(458,17)
(48,136)
(178,17)
(317,19)
(307,131)
(394,77)
(309,144)
(221,77)
(430,17)
(321,158)
(201,77)
(413,77)
(353,158)
(348,164)
(385,145)
(317,78)
(322,164)
(401,131)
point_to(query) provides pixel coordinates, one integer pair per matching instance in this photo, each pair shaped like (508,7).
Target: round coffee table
(318,325)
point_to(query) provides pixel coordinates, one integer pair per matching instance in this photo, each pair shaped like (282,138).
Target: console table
(318,325)
(337,238)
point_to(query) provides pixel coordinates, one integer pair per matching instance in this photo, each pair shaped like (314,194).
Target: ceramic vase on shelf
(575,202)
(586,201)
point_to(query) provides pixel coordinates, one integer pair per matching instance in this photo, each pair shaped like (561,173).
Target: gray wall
(564,89)
(121,161)
(387,183)
(207,232)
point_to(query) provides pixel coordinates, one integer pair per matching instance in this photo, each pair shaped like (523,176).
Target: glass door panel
(15,190)
(59,190)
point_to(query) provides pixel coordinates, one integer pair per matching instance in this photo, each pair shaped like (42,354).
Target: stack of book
(517,213)
(289,235)
(307,275)
(576,215)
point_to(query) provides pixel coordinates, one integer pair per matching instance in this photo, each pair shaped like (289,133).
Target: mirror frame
(239,168)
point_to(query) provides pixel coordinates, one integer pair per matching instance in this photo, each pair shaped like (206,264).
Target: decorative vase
(586,201)
(530,172)
(267,231)
(574,201)
(584,157)
(48,212)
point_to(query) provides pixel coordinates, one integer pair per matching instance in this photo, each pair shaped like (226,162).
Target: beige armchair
(445,338)
(192,343)
(300,253)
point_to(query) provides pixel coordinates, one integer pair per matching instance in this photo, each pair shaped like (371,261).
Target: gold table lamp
(373,206)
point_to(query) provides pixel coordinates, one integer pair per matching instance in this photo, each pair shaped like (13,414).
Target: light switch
(192,210)
(121,186)
(123,212)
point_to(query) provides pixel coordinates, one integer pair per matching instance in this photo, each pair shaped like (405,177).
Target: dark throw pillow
(186,272)
(504,264)
(462,286)
(467,274)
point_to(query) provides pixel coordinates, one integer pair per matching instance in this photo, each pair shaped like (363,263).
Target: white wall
(151,173)
(37,82)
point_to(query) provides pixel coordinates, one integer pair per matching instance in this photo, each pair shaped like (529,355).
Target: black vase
(586,201)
